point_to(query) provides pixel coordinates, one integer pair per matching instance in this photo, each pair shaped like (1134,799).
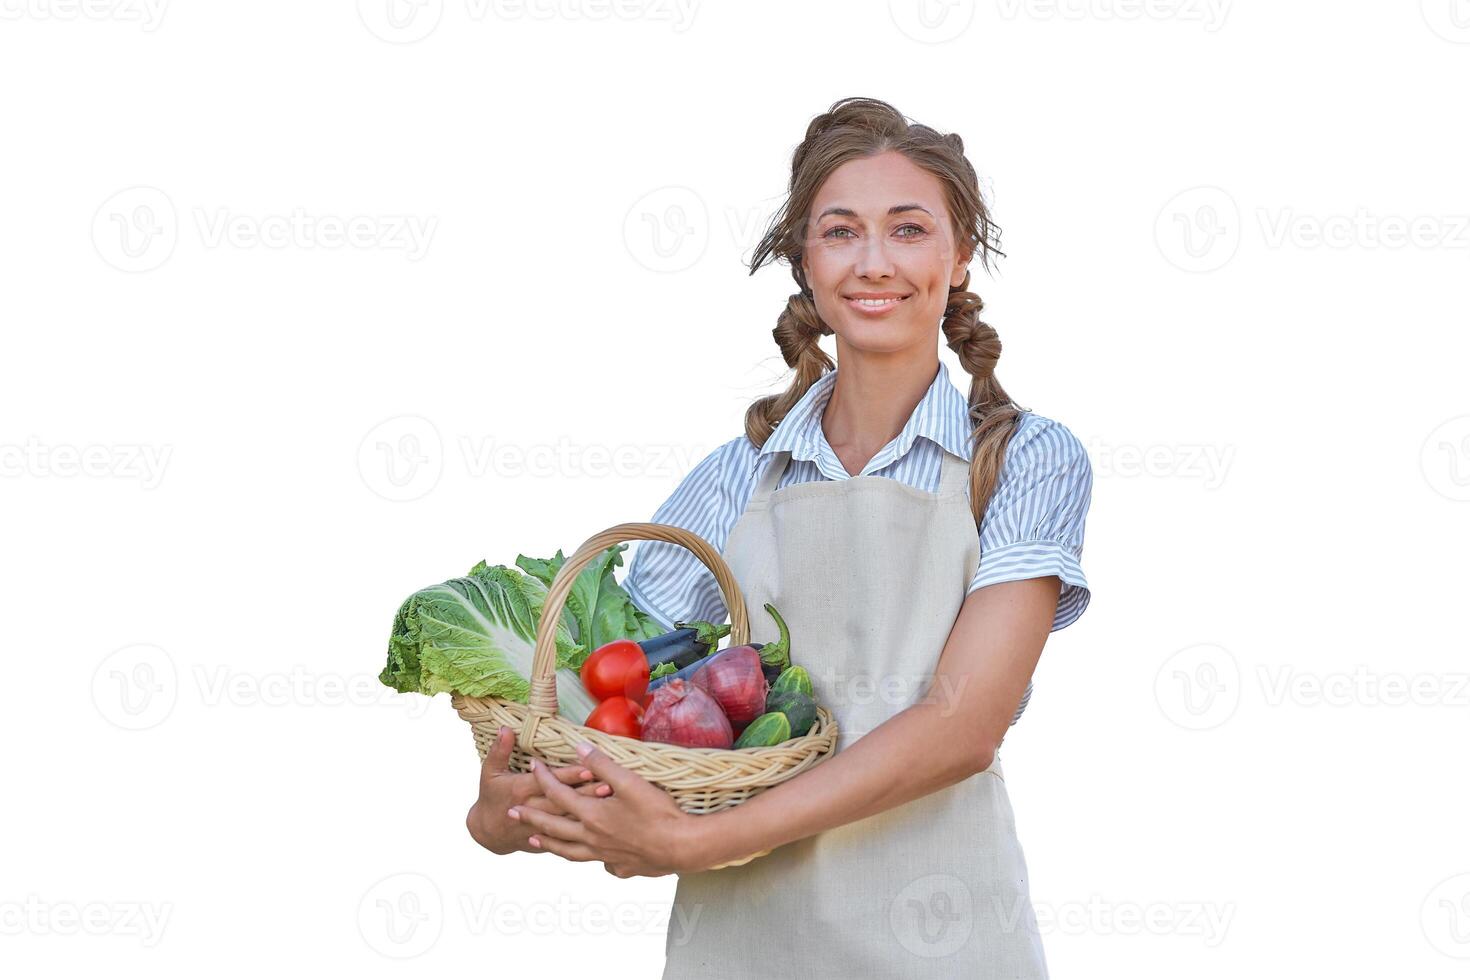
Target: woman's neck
(872,399)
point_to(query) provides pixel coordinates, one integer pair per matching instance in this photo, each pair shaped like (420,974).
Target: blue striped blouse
(1033,525)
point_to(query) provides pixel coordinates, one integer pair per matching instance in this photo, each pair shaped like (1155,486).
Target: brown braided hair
(855,128)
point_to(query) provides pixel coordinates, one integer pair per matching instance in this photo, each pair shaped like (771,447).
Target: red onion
(683,714)
(734,678)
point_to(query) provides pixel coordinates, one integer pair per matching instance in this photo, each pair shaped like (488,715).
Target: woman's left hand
(636,830)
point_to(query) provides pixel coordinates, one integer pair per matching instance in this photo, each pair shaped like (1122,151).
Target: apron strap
(954,473)
(771,476)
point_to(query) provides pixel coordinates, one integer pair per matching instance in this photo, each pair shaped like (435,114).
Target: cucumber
(771,728)
(799,709)
(794,679)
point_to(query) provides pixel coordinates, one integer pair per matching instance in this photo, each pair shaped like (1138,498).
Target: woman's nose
(873,260)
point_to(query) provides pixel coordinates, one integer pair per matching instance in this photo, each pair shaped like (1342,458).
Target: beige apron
(869,574)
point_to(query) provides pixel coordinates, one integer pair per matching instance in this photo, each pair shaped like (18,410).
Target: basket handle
(543,667)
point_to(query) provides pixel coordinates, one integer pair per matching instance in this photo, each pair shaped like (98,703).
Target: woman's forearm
(875,773)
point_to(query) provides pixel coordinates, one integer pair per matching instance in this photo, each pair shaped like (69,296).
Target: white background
(1237,257)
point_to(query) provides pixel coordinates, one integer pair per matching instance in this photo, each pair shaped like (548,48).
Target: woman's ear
(961,268)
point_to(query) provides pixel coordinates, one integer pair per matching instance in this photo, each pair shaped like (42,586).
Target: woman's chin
(876,337)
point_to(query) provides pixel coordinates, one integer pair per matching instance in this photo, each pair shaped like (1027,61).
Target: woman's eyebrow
(896,209)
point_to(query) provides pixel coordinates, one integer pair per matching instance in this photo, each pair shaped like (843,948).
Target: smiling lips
(875,304)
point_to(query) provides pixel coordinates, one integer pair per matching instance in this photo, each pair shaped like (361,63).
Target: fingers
(571,775)
(570,850)
(498,758)
(550,824)
(619,778)
(562,796)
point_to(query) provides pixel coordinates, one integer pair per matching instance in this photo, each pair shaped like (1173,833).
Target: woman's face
(857,246)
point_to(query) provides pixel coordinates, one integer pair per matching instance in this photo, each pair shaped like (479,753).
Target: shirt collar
(942,417)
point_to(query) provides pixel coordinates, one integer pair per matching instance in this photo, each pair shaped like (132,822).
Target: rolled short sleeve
(667,581)
(1033,525)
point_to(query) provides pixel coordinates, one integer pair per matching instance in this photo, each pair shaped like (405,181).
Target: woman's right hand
(501,789)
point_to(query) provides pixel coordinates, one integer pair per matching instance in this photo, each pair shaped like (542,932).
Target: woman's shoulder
(1040,433)
(733,460)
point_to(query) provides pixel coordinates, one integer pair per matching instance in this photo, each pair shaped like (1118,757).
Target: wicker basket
(700,780)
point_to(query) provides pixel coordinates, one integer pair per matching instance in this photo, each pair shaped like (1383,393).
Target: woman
(919,546)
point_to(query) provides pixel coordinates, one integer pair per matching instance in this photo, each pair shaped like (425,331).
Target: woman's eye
(918,230)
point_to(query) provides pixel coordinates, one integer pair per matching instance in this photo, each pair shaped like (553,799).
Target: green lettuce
(476,635)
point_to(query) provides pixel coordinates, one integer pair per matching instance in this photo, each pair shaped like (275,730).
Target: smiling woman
(921,545)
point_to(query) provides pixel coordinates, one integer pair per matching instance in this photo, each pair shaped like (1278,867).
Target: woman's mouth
(875,305)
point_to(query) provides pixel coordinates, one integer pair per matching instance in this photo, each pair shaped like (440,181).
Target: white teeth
(878,302)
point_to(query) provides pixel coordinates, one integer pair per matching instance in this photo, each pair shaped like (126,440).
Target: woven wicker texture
(700,780)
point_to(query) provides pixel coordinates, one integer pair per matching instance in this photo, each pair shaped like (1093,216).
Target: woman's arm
(951,734)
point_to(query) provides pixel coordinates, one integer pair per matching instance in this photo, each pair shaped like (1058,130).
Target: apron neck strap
(771,476)
(954,473)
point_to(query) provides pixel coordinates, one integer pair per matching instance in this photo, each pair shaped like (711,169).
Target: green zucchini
(771,728)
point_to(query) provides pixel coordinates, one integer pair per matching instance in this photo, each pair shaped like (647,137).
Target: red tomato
(616,668)
(617,716)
